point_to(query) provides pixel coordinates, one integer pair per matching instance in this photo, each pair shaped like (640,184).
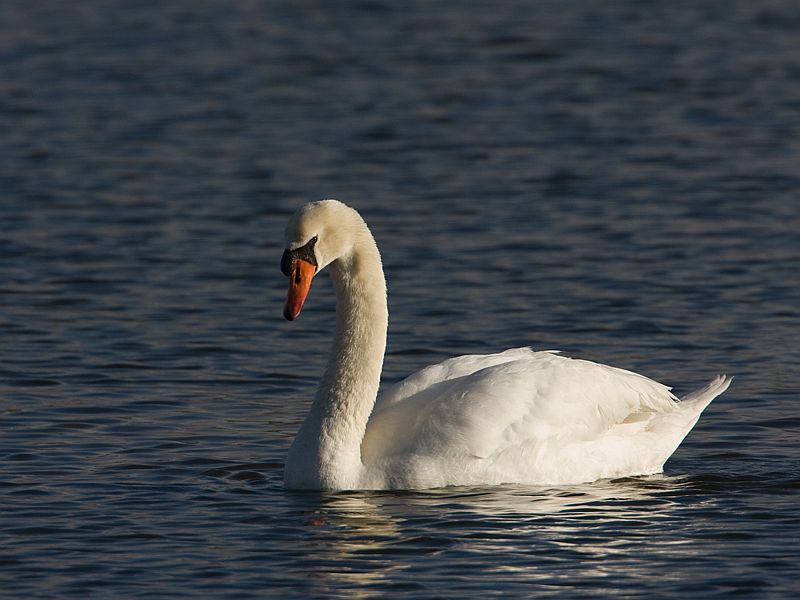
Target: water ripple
(617,181)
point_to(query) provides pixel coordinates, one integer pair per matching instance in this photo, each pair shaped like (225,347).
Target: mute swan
(515,417)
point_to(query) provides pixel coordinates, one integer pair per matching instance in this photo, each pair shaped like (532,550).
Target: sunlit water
(615,180)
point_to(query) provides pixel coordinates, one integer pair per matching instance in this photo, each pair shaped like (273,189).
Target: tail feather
(701,397)
(690,408)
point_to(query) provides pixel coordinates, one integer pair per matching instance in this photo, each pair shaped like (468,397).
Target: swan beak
(299,283)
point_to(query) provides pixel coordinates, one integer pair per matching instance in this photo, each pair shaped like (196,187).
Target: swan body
(518,416)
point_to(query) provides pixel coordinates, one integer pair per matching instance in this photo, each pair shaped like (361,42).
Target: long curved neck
(327,451)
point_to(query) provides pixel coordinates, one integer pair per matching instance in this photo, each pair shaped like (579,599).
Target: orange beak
(299,283)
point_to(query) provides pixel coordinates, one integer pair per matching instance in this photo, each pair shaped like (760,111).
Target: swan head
(316,235)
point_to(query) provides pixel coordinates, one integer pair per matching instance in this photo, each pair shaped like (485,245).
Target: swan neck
(332,433)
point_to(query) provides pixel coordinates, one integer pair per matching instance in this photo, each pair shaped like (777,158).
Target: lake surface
(616,180)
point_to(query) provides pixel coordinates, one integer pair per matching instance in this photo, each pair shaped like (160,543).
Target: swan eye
(304,252)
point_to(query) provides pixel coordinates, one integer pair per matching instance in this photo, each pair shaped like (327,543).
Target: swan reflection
(361,539)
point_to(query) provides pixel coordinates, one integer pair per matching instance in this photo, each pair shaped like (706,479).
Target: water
(618,181)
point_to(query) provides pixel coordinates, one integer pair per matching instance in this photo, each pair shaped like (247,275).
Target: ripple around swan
(617,181)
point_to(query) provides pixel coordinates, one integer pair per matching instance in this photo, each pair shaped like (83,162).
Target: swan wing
(518,401)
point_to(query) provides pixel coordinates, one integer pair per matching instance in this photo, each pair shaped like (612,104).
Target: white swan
(515,417)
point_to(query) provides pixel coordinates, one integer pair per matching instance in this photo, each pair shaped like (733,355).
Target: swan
(519,416)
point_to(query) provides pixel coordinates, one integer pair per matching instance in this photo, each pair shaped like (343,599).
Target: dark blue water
(616,180)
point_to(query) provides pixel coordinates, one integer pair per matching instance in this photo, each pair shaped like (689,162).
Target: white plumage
(515,417)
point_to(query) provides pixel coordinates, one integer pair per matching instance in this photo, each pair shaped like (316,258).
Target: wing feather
(479,406)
